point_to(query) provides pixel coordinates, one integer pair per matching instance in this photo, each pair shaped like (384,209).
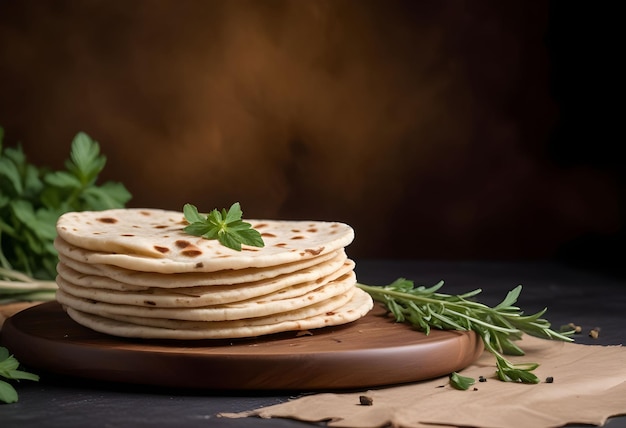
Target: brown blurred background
(447,129)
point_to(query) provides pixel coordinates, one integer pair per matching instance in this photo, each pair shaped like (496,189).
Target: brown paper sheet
(589,386)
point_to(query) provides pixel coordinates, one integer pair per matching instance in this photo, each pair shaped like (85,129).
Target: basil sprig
(225,226)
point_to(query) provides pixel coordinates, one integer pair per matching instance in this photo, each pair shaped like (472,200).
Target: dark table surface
(588,298)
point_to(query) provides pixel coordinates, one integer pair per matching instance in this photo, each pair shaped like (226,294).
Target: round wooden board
(373,351)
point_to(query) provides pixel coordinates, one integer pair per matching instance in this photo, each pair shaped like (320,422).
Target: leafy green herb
(225,226)
(461,382)
(9,369)
(31,201)
(499,327)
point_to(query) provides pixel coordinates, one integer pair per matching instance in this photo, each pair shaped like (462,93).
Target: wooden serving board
(373,351)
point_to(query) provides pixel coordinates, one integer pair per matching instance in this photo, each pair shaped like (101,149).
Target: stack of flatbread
(136,273)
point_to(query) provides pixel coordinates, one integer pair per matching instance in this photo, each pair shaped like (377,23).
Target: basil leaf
(224,225)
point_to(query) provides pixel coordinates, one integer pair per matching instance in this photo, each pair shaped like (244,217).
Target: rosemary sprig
(499,327)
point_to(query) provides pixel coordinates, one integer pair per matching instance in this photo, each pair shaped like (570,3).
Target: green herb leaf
(8,394)
(85,160)
(461,382)
(9,370)
(225,226)
(499,327)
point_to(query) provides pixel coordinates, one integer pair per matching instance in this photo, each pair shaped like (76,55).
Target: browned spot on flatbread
(182,243)
(199,265)
(280,244)
(160,226)
(314,252)
(260,225)
(127,234)
(149,302)
(268,235)
(312,230)
(146,213)
(297,237)
(162,250)
(191,252)
(107,220)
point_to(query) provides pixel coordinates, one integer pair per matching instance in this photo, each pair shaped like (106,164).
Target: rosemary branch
(426,308)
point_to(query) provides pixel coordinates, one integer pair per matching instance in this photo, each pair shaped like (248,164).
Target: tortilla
(102,289)
(136,273)
(323,307)
(256,307)
(358,306)
(152,240)
(189,279)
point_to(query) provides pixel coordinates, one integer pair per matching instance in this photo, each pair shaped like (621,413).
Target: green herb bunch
(32,199)
(499,327)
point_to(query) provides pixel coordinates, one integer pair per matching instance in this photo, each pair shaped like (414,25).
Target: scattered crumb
(482,379)
(594,333)
(549,379)
(577,329)
(365,400)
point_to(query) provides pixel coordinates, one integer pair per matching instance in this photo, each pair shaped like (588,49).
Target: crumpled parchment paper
(589,386)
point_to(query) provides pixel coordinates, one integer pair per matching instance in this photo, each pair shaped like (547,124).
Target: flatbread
(68,255)
(261,306)
(320,308)
(290,285)
(136,273)
(153,240)
(358,306)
